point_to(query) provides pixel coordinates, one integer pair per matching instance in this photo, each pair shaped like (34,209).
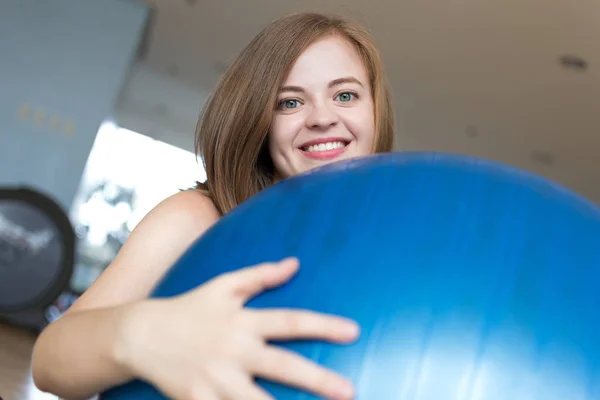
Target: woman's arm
(85,351)
(198,345)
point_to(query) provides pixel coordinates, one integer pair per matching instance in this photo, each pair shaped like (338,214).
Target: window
(126,175)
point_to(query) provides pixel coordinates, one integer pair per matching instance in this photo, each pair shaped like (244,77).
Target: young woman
(308,90)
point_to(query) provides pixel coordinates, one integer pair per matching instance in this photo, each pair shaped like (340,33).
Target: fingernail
(345,391)
(351,328)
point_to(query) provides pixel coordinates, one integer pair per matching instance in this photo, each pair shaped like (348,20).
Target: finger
(197,391)
(291,369)
(249,282)
(233,383)
(244,389)
(278,324)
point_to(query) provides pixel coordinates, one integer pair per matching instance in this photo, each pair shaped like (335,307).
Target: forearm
(83,353)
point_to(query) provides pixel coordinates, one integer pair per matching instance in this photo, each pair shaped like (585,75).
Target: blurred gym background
(99,101)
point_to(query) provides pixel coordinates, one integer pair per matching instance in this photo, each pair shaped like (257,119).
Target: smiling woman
(325,109)
(308,89)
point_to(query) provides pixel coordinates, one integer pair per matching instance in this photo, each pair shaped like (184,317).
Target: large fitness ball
(470,280)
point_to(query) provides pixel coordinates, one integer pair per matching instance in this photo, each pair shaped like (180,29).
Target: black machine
(37,252)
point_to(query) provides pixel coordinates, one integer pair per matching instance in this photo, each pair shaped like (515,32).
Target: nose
(321,117)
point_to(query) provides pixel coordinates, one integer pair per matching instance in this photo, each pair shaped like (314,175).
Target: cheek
(361,124)
(284,130)
(281,140)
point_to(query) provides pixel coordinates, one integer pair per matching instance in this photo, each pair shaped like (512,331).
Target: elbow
(44,366)
(39,368)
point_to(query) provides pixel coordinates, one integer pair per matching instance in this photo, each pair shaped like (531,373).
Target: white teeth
(325,146)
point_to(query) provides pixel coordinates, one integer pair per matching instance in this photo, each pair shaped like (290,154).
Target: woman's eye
(289,104)
(346,97)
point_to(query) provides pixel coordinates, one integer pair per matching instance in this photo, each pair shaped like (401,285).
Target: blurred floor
(15,373)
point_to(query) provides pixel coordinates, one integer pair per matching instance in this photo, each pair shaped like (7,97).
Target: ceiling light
(573,62)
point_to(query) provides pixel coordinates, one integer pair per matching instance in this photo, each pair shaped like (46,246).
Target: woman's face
(325,109)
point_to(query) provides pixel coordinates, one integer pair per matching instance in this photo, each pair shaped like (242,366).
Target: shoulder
(191,205)
(175,222)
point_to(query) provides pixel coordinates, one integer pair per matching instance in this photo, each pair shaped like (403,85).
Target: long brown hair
(233,129)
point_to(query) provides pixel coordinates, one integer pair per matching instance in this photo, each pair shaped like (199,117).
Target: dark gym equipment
(37,249)
(470,279)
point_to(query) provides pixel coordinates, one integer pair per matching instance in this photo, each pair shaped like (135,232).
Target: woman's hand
(204,345)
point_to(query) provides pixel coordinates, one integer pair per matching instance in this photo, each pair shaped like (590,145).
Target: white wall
(159,106)
(62,65)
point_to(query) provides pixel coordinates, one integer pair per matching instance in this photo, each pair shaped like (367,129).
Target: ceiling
(469,76)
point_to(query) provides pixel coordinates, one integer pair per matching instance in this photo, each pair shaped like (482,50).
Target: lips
(324,148)
(324,144)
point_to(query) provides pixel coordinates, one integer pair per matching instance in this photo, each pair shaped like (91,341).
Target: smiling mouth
(325,150)
(324,146)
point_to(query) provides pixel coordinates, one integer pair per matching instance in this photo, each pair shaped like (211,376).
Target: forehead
(325,60)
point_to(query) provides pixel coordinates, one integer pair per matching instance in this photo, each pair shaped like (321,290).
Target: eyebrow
(333,83)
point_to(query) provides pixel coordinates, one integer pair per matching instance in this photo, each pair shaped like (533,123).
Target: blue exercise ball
(470,279)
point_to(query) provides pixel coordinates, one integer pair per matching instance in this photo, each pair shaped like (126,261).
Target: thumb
(251,281)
